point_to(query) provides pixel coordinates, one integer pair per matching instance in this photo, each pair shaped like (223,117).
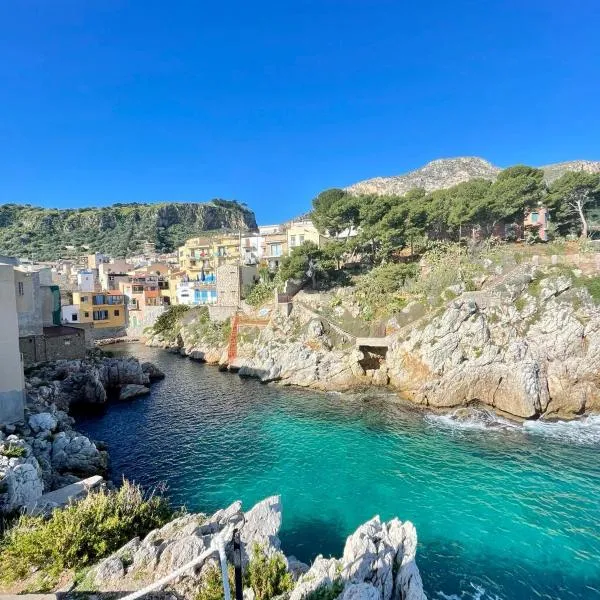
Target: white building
(196,293)
(70,313)
(85,281)
(12,382)
(251,248)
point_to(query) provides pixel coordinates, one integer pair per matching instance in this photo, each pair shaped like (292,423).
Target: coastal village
(59,309)
(299,301)
(479,319)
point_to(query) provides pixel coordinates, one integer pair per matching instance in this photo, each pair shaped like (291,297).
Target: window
(116,313)
(292,240)
(99,299)
(276,250)
(300,240)
(84,299)
(21,288)
(100,315)
(534,217)
(86,314)
(73,317)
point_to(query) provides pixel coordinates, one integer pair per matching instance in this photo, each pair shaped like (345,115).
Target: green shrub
(212,584)
(593,287)
(267,575)
(520,303)
(11,451)
(80,534)
(327,592)
(262,292)
(167,321)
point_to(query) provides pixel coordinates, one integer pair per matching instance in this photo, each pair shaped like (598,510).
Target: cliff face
(120,229)
(437,174)
(446,172)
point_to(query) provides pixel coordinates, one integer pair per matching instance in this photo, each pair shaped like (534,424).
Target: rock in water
(152,371)
(132,390)
(378,561)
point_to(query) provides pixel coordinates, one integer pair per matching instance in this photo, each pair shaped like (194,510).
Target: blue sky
(271,102)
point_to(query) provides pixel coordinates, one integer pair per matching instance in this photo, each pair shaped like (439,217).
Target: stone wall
(48,347)
(141,319)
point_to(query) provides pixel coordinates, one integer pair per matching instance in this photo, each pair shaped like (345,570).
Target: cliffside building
(12,382)
(274,245)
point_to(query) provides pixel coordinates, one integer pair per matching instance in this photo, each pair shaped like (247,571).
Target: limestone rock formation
(446,172)
(538,356)
(21,481)
(378,562)
(77,454)
(437,174)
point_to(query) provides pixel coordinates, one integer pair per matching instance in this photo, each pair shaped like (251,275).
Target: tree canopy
(571,199)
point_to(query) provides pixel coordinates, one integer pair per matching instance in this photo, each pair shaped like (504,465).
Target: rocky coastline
(378,560)
(45,452)
(526,348)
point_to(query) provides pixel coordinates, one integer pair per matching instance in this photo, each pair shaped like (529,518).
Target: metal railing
(217,545)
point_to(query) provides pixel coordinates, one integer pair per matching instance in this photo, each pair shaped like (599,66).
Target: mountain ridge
(119,229)
(443,173)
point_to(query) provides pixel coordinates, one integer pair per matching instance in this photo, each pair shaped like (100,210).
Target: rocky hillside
(553,172)
(120,230)
(526,344)
(446,172)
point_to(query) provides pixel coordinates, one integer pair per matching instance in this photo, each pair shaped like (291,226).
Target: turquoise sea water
(510,512)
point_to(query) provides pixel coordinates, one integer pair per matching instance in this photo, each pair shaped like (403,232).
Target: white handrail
(217,545)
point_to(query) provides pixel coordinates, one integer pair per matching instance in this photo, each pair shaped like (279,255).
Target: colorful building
(195,257)
(275,247)
(195,293)
(226,249)
(538,218)
(302,231)
(103,309)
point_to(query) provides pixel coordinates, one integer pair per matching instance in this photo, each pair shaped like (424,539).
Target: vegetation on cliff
(78,535)
(120,229)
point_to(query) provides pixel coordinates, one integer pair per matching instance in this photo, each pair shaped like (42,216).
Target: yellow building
(299,232)
(200,256)
(103,309)
(196,256)
(226,249)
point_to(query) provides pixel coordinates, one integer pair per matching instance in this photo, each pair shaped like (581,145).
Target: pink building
(540,218)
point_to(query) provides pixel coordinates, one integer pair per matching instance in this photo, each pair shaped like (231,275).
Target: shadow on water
(306,535)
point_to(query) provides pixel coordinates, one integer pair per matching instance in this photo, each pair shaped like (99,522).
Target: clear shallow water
(511,513)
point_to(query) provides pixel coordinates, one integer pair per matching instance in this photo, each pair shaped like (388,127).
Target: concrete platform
(65,495)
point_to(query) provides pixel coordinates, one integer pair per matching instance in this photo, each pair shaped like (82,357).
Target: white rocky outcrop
(378,562)
(372,555)
(21,482)
(538,356)
(77,454)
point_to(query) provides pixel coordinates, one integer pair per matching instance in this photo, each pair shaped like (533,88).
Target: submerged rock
(133,390)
